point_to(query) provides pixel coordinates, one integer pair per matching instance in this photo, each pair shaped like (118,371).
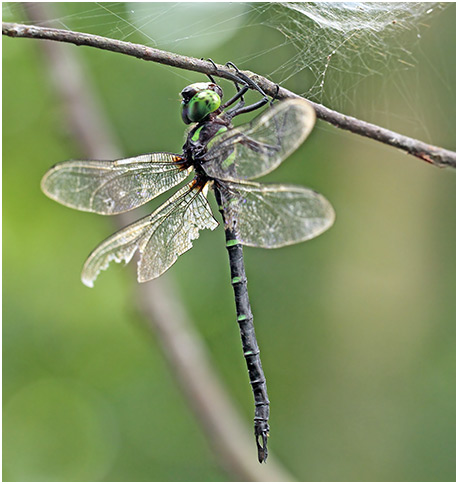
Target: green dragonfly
(224,158)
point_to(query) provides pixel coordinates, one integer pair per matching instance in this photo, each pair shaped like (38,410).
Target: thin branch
(159,301)
(432,154)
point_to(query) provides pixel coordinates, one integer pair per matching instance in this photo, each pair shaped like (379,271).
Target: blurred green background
(356,327)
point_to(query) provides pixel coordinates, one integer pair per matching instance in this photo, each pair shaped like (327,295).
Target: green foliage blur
(356,327)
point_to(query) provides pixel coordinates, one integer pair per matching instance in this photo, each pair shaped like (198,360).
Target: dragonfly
(224,158)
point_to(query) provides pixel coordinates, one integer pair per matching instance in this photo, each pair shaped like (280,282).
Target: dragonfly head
(199,100)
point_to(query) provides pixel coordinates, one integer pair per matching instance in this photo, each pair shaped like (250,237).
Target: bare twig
(432,154)
(165,314)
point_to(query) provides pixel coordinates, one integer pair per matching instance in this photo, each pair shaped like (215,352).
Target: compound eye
(199,106)
(187,93)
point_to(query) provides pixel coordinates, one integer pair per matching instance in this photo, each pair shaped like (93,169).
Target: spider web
(333,40)
(342,54)
(347,55)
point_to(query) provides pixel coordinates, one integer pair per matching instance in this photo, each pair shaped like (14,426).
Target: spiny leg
(239,95)
(240,108)
(209,75)
(244,79)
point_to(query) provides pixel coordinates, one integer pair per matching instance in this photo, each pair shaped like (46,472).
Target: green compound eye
(200,105)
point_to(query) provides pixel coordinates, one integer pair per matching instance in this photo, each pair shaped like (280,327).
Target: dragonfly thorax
(201,137)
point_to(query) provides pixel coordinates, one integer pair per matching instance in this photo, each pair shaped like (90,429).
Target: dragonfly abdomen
(247,333)
(249,343)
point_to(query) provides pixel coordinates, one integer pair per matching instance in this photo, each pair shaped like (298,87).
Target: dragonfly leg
(241,78)
(247,82)
(275,95)
(214,65)
(244,79)
(251,107)
(238,95)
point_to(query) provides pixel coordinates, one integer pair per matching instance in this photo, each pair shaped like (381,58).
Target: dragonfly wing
(255,149)
(111,187)
(175,227)
(160,237)
(121,246)
(272,216)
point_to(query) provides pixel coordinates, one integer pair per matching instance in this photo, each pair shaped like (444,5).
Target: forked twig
(431,154)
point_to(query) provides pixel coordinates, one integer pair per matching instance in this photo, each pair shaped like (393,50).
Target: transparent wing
(111,187)
(160,237)
(174,229)
(121,246)
(255,149)
(272,216)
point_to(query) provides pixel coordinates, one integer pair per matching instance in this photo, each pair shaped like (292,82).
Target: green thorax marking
(220,130)
(195,136)
(197,133)
(231,158)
